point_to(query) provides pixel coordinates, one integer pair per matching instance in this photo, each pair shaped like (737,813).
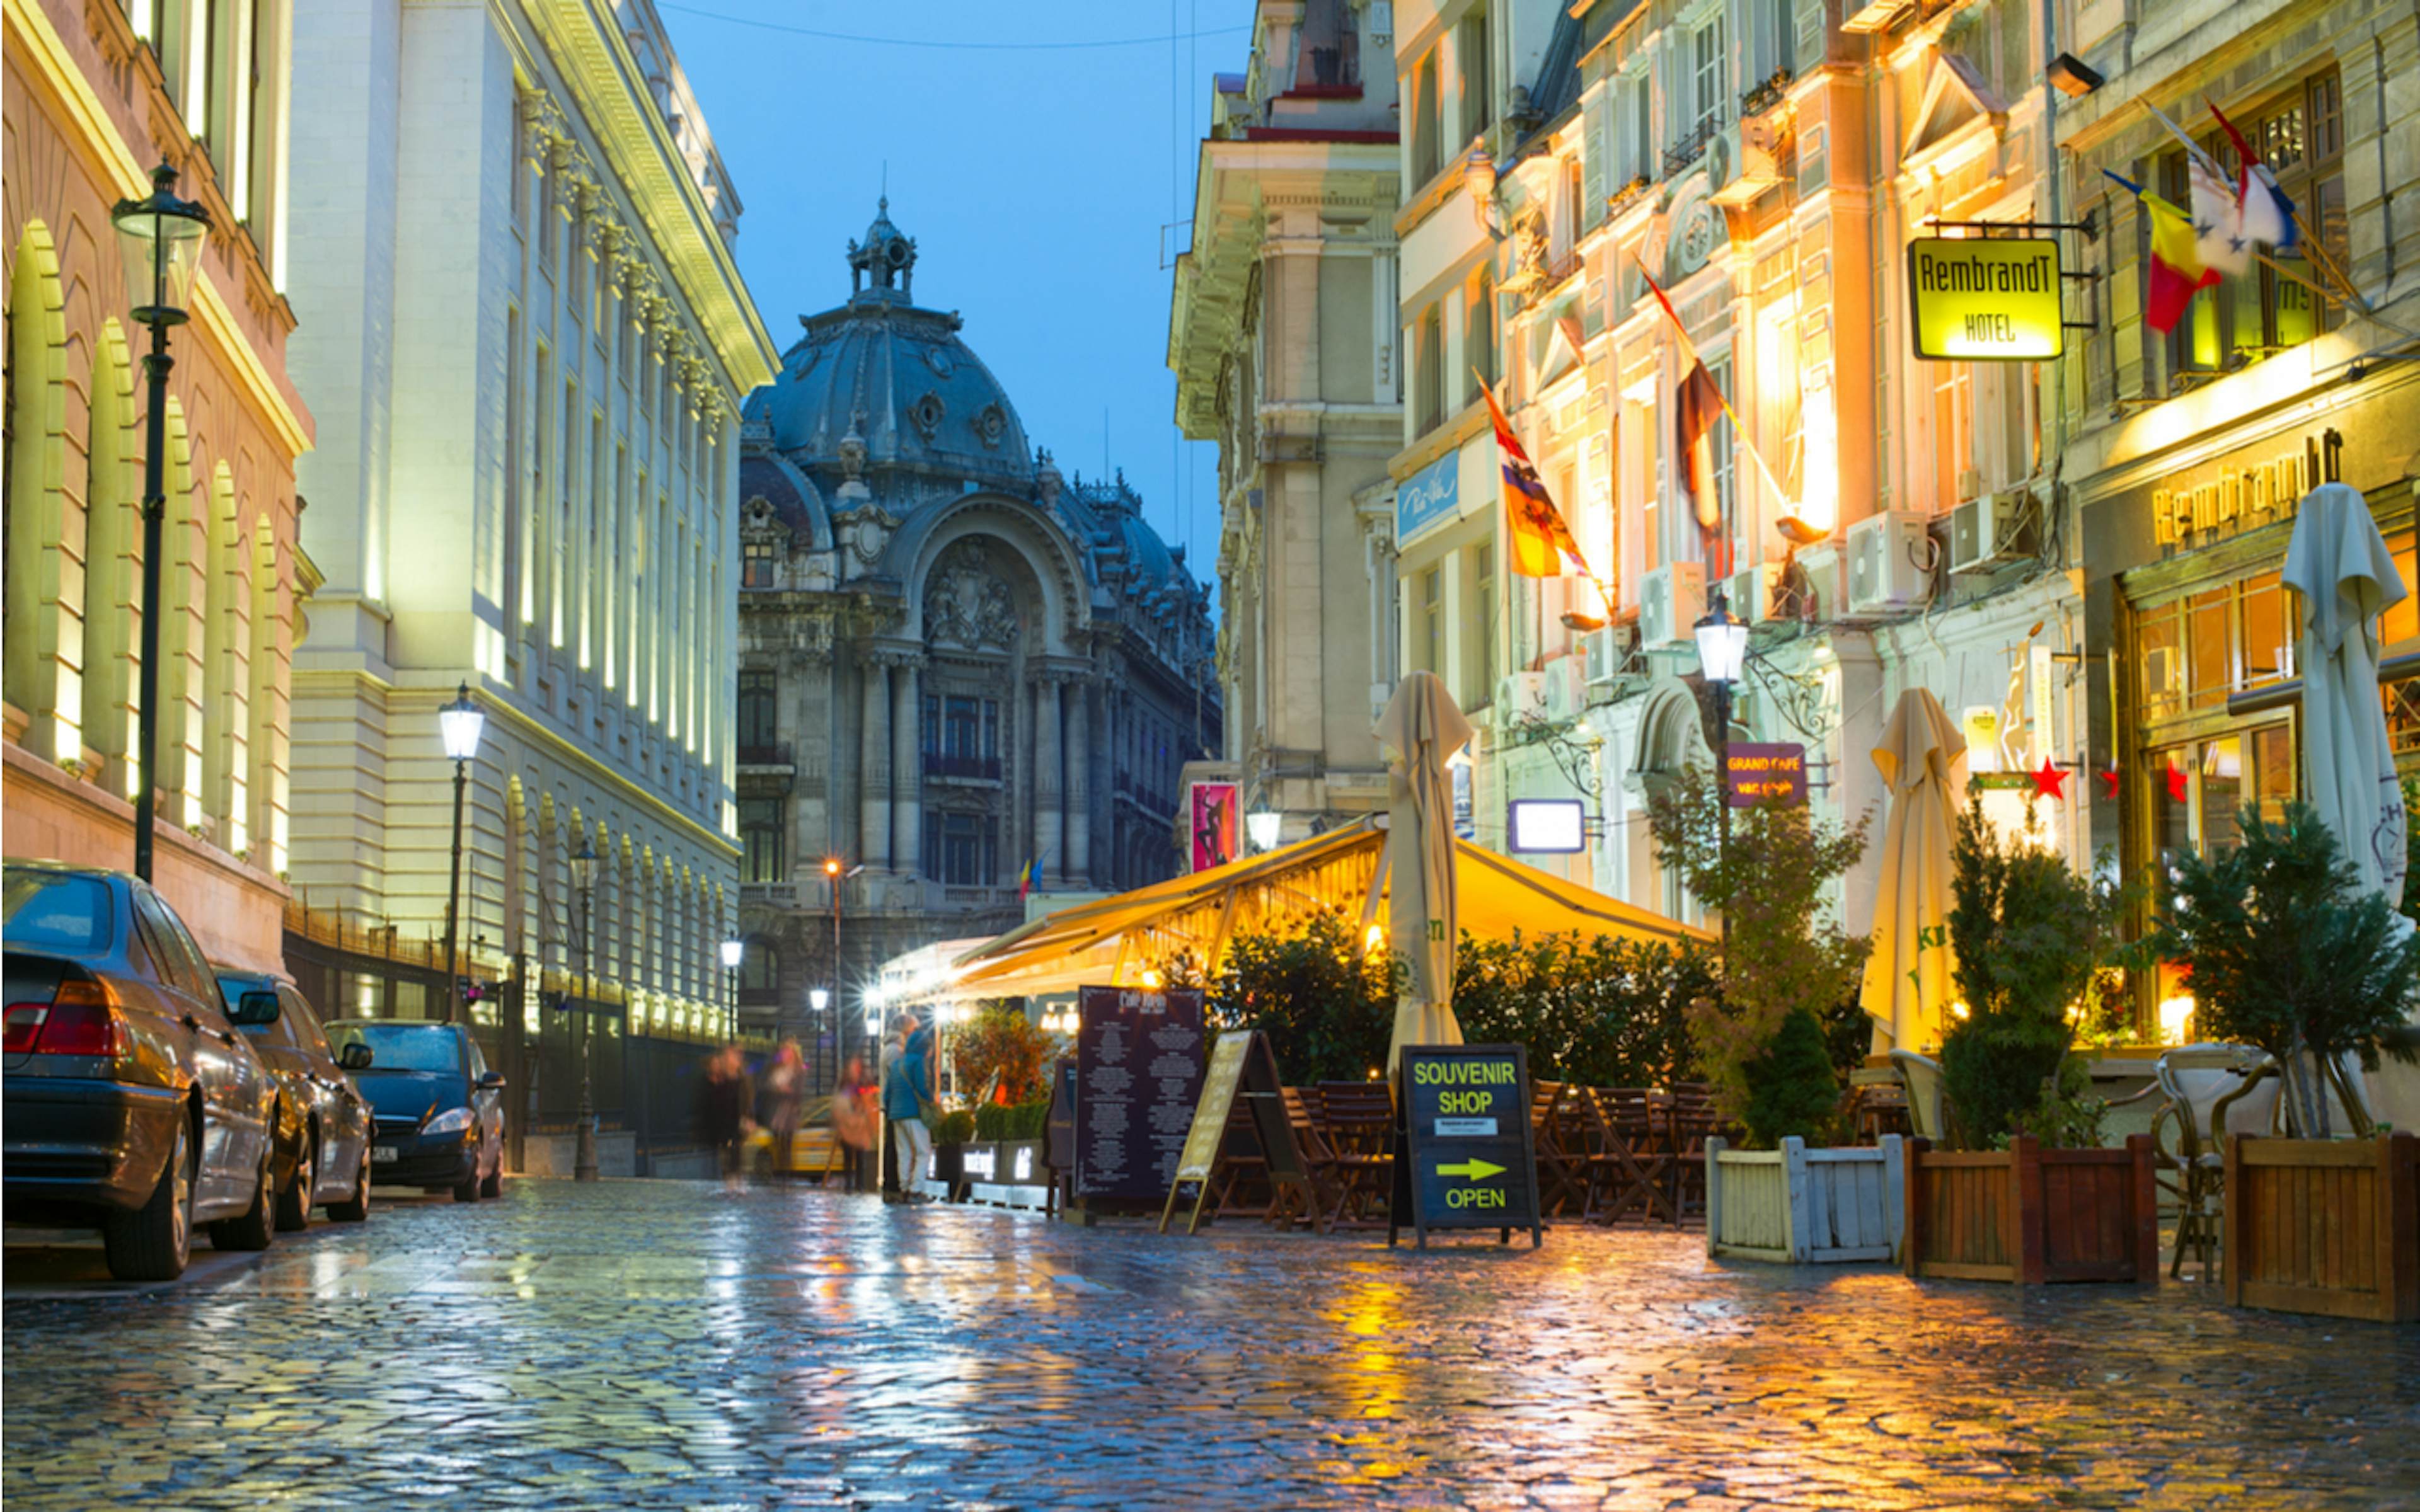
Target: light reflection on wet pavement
(658,1344)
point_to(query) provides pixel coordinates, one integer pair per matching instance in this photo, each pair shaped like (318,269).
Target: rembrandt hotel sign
(1978,301)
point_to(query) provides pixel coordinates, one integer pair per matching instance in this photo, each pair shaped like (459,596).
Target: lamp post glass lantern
(1722,654)
(159,241)
(459,726)
(1264,827)
(583,882)
(733,950)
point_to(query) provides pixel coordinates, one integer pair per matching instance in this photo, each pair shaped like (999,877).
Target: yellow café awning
(1112,941)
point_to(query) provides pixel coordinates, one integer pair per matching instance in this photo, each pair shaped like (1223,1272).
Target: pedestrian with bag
(908,1102)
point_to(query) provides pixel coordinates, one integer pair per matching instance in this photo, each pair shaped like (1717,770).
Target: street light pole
(583,880)
(733,950)
(1722,652)
(160,238)
(458,723)
(832,877)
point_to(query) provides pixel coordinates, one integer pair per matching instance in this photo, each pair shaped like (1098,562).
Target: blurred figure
(854,1118)
(906,1095)
(723,1102)
(784,1080)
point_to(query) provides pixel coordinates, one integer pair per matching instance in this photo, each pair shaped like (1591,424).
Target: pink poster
(1214,824)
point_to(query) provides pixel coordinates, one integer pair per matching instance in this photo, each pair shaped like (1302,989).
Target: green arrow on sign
(1477,1169)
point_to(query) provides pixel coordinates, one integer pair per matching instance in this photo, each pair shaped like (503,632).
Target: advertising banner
(1761,772)
(1214,824)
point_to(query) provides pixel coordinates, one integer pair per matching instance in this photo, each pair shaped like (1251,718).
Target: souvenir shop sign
(1464,1151)
(1767,772)
(1974,299)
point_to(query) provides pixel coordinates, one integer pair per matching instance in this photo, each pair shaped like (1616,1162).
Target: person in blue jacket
(907,1094)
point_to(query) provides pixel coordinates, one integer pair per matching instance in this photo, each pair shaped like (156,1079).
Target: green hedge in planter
(1023,1121)
(954,1128)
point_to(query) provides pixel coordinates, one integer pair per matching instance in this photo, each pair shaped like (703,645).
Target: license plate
(383,1154)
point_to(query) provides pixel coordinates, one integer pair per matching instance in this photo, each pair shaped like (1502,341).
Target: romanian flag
(1541,542)
(2176,270)
(1029,877)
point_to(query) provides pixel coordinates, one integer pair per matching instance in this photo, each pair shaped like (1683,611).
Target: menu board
(1138,1080)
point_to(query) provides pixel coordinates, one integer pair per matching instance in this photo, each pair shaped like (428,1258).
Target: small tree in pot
(2030,936)
(2287,954)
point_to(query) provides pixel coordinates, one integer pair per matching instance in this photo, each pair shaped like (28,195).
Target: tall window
(759,703)
(1433,620)
(962,850)
(760,968)
(1478,79)
(1953,431)
(761,852)
(1428,386)
(1479,675)
(1428,107)
(2300,138)
(756,565)
(1706,75)
(1478,329)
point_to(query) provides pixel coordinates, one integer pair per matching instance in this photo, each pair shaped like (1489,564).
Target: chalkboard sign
(1464,1151)
(1138,1079)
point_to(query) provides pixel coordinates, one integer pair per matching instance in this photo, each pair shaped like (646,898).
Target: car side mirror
(256,1008)
(490,1080)
(354,1056)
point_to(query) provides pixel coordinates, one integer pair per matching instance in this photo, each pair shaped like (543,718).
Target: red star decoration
(2049,782)
(2176,784)
(2109,784)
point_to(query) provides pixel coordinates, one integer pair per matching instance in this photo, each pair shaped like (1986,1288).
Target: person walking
(784,1080)
(723,1105)
(907,1094)
(855,1118)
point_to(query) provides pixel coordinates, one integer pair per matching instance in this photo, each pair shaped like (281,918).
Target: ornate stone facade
(955,662)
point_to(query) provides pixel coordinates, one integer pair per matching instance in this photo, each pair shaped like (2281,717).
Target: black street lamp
(733,950)
(458,724)
(584,881)
(159,241)
(1722,652)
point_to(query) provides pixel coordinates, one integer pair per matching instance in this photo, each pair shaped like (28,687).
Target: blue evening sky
(1036,183)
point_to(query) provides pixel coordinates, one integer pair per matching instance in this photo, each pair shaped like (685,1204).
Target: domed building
(956,664)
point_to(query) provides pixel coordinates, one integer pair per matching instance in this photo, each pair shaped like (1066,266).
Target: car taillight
(24,1023)
(81,1020)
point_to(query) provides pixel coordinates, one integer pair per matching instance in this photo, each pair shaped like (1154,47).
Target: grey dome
(916,395)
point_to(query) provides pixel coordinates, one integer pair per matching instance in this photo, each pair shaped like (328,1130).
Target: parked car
(440,1111)
(324,1121)
(132,1102)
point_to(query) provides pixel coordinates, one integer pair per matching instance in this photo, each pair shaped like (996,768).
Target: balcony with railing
(771,756)
(1683,155)
(961,767)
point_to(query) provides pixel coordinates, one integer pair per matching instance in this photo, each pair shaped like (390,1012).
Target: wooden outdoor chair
(1356,1119)
(2215,1092)
(1690,1121)
(1322,1176)
(1561,1177)
(1627,1154)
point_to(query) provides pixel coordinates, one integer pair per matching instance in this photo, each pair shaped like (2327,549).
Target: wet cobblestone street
(659,1344)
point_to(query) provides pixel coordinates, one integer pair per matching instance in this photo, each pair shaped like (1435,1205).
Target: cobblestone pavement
(657,1344)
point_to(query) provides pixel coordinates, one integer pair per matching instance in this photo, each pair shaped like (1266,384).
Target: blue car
(134,1101)
(438,1111)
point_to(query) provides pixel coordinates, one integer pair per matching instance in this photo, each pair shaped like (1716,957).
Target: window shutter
(1595,143)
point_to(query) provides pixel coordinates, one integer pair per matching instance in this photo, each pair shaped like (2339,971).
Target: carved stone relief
(965,602)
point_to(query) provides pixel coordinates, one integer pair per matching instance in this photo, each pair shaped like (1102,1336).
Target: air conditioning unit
(1994,529)
(1827,581)
(1887,557)
(1566,690)
(1749,591)
(1671,601)
(1606,651)
(1521,696)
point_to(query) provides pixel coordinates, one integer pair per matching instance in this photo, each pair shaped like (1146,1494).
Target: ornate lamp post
(458,724)
(1722,652)
(1264,827)
(733,950)
(159,241)
(584,881)
(819,999)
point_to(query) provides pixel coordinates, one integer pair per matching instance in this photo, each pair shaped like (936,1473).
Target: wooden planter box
(2030,1215)
(2325,1225)
(1803,1206)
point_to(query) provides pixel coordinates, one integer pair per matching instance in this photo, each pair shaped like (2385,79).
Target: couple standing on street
(908,1102)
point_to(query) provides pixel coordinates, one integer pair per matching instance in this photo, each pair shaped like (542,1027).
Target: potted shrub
(2028,1196)
(2286,955)
(1763,1045)
(951,1135)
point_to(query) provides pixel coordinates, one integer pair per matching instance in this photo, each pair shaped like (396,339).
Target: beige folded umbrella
(1909,977)
(1421,730)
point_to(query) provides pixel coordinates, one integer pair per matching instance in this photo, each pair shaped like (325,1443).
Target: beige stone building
(96,96)
(1282,335)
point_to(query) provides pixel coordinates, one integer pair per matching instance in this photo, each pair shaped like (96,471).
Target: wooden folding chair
(1560,1175)
(1356,1117)
(1630,1157)
(1689,1122)
(1321,1175)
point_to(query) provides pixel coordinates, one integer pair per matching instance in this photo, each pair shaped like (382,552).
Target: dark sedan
(440,1111)
(130,1104)
(323,1143)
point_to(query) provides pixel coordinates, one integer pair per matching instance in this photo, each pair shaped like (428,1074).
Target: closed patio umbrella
(1909,982)
(1421,730)
(2341,566)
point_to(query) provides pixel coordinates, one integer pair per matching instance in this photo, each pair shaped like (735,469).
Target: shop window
(2301,137)
(2401,623)
(2210,648)
(2196,651)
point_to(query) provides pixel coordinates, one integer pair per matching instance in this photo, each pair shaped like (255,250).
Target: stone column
(873,766)
(1046,814)
(1079,789)
(906,770)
